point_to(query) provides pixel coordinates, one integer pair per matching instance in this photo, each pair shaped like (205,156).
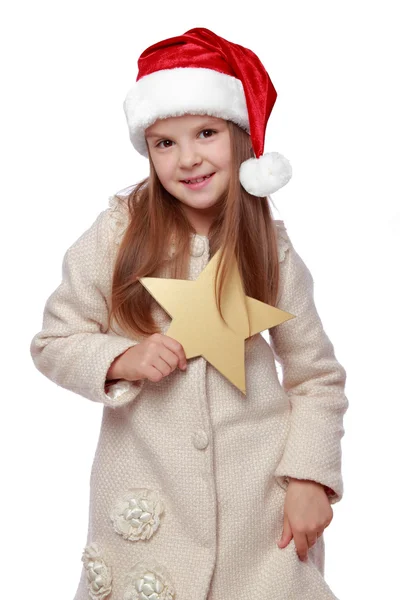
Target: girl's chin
(200,205)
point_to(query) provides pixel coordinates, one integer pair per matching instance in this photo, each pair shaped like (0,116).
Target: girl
(197,490)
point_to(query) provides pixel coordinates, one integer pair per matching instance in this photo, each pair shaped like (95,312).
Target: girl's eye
(208,130)
(163,141)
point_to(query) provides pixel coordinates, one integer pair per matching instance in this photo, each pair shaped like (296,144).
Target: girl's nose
(188,157)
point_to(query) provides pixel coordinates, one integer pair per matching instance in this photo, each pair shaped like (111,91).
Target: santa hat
(200,72)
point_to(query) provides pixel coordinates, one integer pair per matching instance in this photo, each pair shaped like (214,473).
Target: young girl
(198,492)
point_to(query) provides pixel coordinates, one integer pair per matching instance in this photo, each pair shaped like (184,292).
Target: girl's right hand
(154,358)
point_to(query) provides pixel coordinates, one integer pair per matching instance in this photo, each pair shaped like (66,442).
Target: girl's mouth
(200,184)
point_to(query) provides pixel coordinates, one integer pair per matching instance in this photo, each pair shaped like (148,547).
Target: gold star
(197,325)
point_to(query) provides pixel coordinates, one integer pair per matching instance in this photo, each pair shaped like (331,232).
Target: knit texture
(188,485)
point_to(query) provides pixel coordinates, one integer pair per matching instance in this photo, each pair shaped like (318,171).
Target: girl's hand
(154,358)
(307,513)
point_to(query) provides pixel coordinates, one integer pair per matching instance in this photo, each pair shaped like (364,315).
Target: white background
(66,68)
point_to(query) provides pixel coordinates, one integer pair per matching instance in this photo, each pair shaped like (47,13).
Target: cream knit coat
(188,484)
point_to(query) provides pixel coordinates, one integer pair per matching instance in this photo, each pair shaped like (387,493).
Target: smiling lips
(198,179)
(196,184)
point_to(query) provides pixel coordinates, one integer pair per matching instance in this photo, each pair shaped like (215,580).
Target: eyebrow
(210,120)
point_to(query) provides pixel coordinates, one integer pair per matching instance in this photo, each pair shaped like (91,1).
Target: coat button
(200,439)
(197,246)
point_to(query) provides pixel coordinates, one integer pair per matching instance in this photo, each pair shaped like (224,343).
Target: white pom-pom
(265,175)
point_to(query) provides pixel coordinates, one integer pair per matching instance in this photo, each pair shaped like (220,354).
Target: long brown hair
(244,228)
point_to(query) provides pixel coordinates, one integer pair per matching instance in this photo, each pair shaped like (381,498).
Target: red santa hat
(200,72)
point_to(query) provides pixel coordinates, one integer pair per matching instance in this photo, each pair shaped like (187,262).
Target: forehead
(186,122)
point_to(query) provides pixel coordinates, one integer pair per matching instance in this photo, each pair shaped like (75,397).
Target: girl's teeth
(197,180)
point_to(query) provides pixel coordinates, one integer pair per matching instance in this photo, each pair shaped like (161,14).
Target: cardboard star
(196,322)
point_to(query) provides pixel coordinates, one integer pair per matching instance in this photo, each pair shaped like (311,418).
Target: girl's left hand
(307,513)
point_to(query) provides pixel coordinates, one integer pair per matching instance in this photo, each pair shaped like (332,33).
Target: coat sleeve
(312,377)
(73,348)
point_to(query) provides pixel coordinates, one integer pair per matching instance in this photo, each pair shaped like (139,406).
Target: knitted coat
(189,477)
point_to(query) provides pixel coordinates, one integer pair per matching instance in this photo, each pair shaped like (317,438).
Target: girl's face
(189,147)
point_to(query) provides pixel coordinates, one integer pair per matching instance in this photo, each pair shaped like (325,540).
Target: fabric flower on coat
(120,217)
(117,388)
(136,515)
(148,581)
(99,576)
(283,240)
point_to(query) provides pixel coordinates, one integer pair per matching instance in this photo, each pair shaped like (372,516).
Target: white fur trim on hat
(265,175)
(179,91)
